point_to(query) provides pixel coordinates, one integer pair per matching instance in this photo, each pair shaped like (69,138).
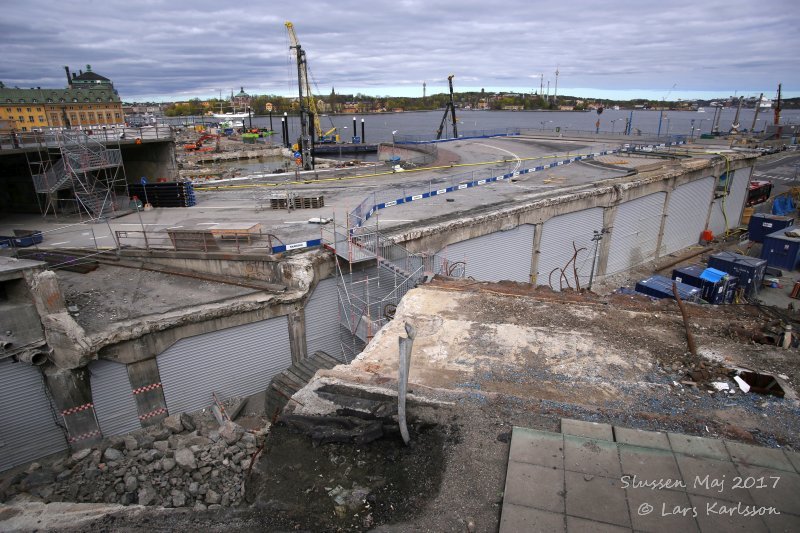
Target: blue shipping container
(780,250)
(713,288)
(762,224)
(749,270)
(661,287)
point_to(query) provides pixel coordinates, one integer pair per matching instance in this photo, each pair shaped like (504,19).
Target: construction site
(493,331)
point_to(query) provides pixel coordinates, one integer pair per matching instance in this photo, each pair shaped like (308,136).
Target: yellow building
(89,101)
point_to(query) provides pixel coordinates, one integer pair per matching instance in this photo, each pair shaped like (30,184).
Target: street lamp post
(612,125)
(393,134)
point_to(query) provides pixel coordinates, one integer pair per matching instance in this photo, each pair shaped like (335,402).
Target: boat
(701,110)
(766,103)
(230,116)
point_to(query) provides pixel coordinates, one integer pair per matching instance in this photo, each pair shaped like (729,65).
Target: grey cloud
(171,48)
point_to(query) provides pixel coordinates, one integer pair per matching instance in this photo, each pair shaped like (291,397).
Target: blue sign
(143,180)
(298,154)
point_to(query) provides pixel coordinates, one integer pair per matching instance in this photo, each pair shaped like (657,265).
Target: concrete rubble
(165,466)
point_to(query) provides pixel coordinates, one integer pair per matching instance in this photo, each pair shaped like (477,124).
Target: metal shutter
(27,426)
(237,361)
(113,399)
(322,320)
(635,232)
(481,255)
(733,203)
(686,215)
(556,249)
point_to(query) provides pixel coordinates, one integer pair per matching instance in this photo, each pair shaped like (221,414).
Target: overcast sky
(164,50)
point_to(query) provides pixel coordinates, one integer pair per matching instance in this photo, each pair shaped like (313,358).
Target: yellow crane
(309,110)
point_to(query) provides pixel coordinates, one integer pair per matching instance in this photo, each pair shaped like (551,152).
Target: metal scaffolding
(72,160)
(373,274)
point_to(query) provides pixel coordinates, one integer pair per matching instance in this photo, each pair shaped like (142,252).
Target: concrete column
(537,241)
(609,215)
(297,335)
(660,240)
(146,387)
(71,392)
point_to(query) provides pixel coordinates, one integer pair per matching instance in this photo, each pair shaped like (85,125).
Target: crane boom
(309,117)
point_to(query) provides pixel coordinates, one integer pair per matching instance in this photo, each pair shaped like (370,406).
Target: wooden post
(689,336)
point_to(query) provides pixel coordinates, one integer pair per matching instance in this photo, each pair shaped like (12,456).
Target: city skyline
(161,51)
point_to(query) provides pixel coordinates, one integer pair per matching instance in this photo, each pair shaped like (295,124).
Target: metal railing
(105,134)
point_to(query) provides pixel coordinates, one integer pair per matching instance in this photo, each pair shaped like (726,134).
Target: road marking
(512,154)
(174,227)
(208,223)
(295,221)
(58,243)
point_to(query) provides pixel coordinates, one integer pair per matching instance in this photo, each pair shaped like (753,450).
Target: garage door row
(693,207)
(237,361)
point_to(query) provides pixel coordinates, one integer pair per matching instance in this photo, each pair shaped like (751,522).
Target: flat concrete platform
(597,477)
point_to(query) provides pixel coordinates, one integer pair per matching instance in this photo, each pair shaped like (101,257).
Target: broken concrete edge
(25,513)
(306,402)
(138,327)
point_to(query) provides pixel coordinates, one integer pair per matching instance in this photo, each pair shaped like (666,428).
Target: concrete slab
(520,518)
(661,510)
(591,430)
(758,456)
(712,478)
(638,437)
(794,458)
(535,486)
(658,489)
(712,516)
(596,498)
(648,463)
(772,488)
(590,456)
(698,446)
(537,447)
(581,525)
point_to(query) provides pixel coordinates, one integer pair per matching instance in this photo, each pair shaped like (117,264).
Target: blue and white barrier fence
(359,216)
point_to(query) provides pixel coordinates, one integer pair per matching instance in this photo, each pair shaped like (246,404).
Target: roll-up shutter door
(237,361)
(634,234)
(27,423)
(555,249)
(686,215)
(741,186)
(322,320)
(113,399)
(503,255)
(733,203)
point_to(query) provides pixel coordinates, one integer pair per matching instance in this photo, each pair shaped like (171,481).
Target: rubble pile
(169,465)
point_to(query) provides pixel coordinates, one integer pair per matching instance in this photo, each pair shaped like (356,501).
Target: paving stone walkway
(599,478)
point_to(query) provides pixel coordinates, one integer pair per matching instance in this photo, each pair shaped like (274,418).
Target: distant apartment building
(89,100)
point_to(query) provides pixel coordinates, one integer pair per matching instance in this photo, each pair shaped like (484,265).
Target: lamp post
(692,128)
(393,134)
(612,126)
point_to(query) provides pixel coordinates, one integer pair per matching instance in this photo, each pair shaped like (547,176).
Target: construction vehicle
(328,137)
(197,146)
(452,109)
